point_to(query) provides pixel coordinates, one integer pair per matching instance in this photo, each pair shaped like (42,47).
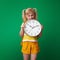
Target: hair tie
(35,9)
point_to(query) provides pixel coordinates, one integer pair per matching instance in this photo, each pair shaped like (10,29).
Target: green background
(11,18)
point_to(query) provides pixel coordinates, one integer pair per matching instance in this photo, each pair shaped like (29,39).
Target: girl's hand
(22,30)
(23,25)
(40,32)
(41,27)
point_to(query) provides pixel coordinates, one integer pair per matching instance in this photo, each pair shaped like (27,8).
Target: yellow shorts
(30,48)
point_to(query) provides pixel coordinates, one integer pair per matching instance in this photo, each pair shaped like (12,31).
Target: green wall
(11,19)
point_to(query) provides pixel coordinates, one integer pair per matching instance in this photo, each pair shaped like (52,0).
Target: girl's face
(30,16)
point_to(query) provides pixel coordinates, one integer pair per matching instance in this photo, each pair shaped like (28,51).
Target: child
(29,44)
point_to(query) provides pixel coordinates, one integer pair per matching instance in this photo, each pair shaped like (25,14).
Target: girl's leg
(33,56)
(26,56)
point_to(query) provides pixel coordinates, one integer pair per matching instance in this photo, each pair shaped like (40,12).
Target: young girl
(30,45)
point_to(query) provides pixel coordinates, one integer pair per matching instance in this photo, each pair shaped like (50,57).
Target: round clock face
(32,28)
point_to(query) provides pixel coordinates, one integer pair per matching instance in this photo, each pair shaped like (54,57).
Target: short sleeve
(22,24)
(21,27)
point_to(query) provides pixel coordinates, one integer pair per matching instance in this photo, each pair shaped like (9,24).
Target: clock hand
(30,25)
(35,26)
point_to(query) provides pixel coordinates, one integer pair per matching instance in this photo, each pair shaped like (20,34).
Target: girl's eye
(30,15)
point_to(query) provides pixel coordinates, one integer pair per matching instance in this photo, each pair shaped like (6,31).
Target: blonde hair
(28,10)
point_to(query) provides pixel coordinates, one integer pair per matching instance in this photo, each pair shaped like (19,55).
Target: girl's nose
(30,16)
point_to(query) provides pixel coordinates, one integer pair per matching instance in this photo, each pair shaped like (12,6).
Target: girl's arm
(22,30)
(21,33)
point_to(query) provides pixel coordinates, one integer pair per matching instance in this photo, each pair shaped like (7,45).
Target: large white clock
(32,27)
